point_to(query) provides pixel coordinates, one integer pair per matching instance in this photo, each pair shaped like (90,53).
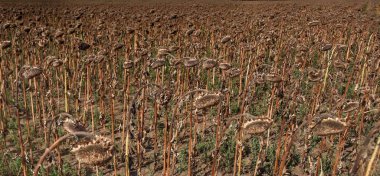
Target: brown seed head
(209,64)
(159,62)
(350,106)
(71,126)
(31,72)
(96,152)
(233,72)
(315,75)
(272,77)
(226,39)
(256,125)
(207,101)
(191,62)
(329,126)
(225,66)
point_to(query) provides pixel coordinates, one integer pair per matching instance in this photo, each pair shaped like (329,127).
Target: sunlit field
(189,88)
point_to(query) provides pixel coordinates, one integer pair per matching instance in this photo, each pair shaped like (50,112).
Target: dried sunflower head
(272,77)
(225,66)
(256,125)
(191,62)
(71,126)
(315,75)
(96,152)
(53,61)
(226,39)
(207,101)
(350,106)
(162,52)
(233,72)
(209,64)
(328,126)
(31,72)
(159,62)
